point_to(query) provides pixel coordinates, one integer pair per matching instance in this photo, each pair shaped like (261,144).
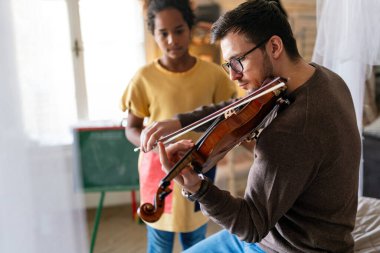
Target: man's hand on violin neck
(151,134)
(187,178)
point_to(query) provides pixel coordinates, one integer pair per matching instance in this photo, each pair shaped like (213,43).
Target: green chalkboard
(105,159)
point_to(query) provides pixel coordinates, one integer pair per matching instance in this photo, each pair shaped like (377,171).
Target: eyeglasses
(235,63)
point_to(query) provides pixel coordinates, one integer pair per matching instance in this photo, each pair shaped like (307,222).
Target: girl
(174,83)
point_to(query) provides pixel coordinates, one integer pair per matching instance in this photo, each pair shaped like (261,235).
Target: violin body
(240,124)
(232,131)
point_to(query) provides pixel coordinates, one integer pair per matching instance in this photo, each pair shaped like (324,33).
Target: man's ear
(276,47)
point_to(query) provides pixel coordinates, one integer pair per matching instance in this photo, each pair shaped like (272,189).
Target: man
(301,193)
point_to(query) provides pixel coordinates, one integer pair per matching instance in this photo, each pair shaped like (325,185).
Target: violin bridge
(254,135)
(229,113)
(282,101)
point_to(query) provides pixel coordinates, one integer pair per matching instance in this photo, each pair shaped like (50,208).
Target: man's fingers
(163,157)
(146,137)
(179,147)
(172,151)
(155,131)
(152,142)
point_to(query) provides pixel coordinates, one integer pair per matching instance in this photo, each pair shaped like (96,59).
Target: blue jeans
(224,242)
(162,241)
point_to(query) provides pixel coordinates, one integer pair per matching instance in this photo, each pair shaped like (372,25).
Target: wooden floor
(118,232)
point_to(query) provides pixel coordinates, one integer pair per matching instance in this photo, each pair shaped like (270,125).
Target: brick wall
(302,18)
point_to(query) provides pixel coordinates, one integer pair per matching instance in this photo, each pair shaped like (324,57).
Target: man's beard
(268,67)
(267,72)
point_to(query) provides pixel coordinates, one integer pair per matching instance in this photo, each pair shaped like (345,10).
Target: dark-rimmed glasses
(235,63)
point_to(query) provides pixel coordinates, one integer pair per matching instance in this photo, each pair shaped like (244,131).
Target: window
(113,40)
(45,35)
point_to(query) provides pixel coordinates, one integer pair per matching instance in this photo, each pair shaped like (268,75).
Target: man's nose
(235,75)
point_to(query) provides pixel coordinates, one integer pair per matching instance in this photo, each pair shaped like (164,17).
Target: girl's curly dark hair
(183,6)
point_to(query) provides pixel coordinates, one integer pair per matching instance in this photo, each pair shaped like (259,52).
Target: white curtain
(41,210)
(348,42)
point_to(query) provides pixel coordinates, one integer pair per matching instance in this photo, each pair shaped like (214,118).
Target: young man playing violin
(301,193)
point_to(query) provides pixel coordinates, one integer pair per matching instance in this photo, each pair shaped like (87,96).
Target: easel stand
(99,213)
(97,219)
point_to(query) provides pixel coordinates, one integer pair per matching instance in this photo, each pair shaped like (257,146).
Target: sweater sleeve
(272,187)
(201,112)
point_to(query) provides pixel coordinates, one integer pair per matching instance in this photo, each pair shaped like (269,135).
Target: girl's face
(171,33)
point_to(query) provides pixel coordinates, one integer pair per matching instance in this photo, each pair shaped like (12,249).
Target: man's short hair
(257,20)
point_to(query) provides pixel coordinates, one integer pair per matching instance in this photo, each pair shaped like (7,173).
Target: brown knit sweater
(301,193)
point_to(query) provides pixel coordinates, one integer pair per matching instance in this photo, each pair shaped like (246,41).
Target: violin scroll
(152,212)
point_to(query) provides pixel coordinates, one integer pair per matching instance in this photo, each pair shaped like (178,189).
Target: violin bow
(254,95)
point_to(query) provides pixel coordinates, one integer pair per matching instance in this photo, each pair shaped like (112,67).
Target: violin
(243,121)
